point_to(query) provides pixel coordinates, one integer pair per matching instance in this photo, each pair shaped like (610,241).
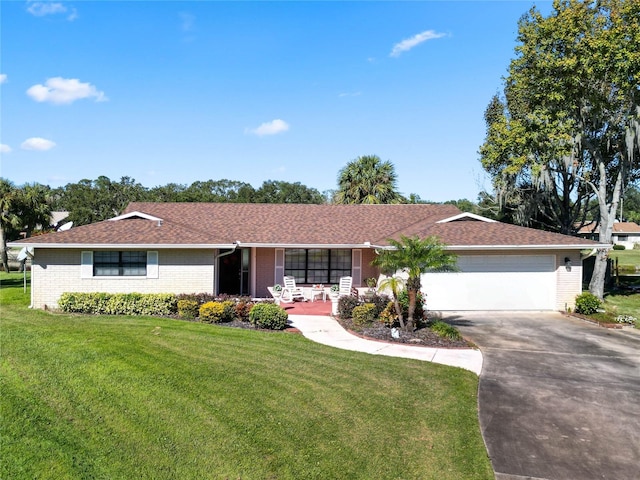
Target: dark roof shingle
(218,224)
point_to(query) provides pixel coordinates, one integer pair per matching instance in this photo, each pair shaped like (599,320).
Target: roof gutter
(528,247)
(146,246)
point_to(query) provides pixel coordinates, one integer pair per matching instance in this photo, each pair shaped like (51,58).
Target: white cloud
(270,128)
(352,94)
(37,143)
(187,21)
(61,91)
(409,43)
(42,9)
(3,78)
(4,148)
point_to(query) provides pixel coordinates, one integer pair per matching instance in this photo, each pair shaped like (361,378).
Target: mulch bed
(378,331)
(422,336)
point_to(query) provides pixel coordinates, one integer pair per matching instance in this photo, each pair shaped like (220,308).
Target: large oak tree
(567,129)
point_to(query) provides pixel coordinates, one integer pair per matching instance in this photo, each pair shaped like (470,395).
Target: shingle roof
(220,224)
(618,227)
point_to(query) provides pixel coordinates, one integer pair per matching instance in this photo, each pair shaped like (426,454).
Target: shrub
(380,301)
(201,298)
(228,311)
(188,308)
(346,304)
(268,315)
(364,314)
(445,330)
(388,316)
(243,308)
(159,304)
(587,303)
(617,246)
(211,312)
(87,303)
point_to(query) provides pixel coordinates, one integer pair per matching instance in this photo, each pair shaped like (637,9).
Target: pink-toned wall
(367,270)
(264,271)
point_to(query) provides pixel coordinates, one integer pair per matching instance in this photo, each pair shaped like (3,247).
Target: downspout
(236,244)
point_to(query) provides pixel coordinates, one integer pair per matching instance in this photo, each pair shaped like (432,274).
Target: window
(119,264)
(317,265)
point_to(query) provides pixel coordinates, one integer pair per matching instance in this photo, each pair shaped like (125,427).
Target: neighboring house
(624,233)
(241,249)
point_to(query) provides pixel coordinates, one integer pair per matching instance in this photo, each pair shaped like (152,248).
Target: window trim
(329,268)
(87,265)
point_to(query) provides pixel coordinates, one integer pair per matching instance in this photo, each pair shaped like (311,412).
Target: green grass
(629,258)
(140,397)
(623,304)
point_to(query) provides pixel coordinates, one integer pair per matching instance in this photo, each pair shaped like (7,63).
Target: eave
(590,246)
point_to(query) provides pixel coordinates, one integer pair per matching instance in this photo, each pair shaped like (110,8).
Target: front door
(233,272)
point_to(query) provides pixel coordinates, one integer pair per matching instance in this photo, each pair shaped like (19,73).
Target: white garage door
(494,282)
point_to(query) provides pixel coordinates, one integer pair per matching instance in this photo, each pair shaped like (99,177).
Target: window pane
(336,274)
(318,276)
(295,258)
(113,264)
(317,265)
(341,259)
(299,275)
(102,271)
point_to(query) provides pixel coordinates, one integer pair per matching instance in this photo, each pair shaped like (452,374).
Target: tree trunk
(3,250)
(412,294)
(398,308)
(605,232)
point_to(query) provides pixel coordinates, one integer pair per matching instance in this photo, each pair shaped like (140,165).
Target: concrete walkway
(326,330)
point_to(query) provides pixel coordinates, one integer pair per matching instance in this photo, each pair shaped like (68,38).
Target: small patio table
(316,290)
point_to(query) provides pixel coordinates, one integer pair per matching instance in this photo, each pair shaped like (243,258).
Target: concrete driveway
(559,398)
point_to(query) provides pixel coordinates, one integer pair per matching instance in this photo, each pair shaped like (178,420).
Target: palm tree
(35,205)
(367,179)
(8,218)
(395,284)
(415,256)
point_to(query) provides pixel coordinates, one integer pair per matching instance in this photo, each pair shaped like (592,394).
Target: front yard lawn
(623,304)
(140,397)
(629,257)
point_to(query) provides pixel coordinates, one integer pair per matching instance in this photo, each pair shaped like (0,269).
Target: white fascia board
(306,245)
(146,216)
(111,246)
(527,247)
(467,215)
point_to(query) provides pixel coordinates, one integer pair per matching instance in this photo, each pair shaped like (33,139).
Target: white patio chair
(290,292)
(345,286)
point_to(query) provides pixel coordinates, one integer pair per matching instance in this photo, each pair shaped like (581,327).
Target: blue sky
(165,91)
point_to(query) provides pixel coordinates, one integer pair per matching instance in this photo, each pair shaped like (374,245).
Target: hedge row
(262,315)
(159,304)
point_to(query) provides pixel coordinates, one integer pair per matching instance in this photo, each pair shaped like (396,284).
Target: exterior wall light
(567,263)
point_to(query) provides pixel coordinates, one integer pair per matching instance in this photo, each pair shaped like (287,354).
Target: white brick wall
(568,282)
(56,271)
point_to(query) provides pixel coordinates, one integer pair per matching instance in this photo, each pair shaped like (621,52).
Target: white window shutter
(152,264)
(279,270)
(86,265)
(356,267)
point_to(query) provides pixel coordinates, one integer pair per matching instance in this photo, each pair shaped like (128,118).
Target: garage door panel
(494,282)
